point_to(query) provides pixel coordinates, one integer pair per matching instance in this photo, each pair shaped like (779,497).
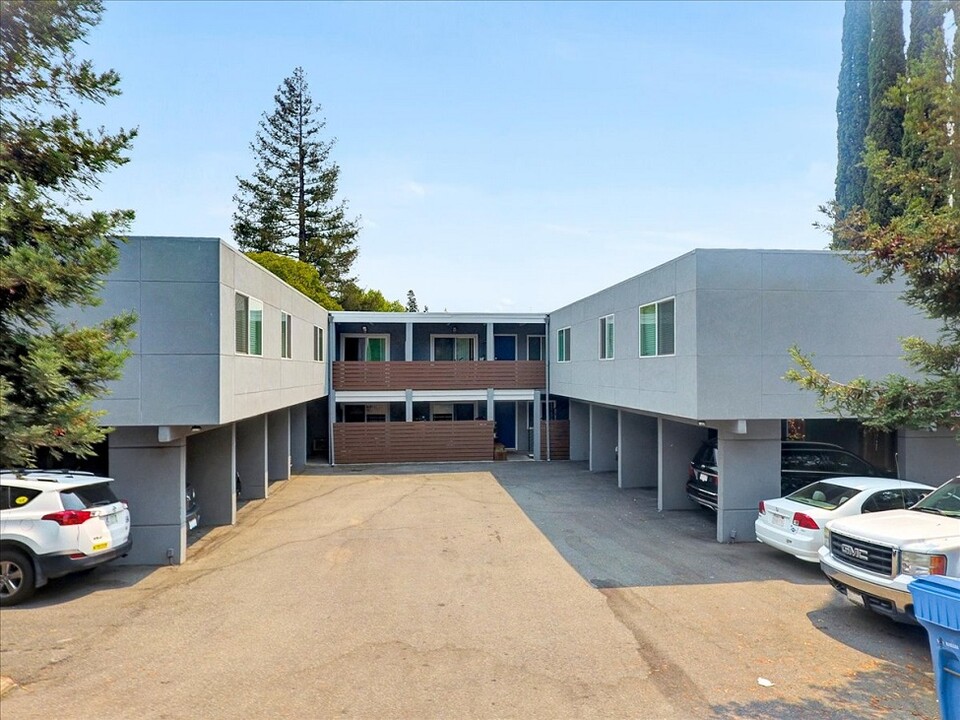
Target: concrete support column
(749,463)
(927,457)
(603,439)
(537,401)
(491,411)
(637,456)
(278,444)
(298,437)
(408,406)
(490,342)
(151,477)
(212,470)
(252,456)
(579,431)
(408,342)
(677,444)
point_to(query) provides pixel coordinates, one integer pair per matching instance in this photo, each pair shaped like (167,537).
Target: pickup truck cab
(872,559)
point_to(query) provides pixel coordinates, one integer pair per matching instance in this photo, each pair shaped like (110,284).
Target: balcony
(440,375)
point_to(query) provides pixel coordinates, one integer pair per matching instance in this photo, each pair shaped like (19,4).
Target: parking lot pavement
(500,591)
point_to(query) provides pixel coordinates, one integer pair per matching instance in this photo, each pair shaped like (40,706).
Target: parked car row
(871,533)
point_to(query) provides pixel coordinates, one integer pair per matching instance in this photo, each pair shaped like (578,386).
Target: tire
(17,580)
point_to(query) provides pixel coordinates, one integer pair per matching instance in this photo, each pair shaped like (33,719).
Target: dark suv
(801,463)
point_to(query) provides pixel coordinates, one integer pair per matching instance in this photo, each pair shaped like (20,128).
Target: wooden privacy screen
(412,441)
(439,375)
(559,440)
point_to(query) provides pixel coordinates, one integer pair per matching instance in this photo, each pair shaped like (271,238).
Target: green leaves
(53,252)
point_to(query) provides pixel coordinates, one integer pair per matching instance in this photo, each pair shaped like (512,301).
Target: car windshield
(823,495)
(945,500)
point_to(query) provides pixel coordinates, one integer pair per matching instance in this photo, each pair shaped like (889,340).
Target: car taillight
(805,521)
(763,508)
(69,517)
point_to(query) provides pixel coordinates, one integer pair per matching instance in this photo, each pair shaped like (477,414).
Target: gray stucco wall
(184,369)
(737,314)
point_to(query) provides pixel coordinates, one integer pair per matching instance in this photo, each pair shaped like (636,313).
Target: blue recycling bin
(936,604)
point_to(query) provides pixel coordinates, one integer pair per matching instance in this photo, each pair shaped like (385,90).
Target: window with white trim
(657,329)
(248,325)
(606,337)
(535,347)
(453,347)
(286,326)
(366,348)
(563,345)
(318,343)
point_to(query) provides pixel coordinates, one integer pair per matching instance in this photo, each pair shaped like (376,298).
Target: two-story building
(437,386)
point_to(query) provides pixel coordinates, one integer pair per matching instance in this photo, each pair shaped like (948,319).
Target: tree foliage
(288,206)
(853,105)
(298,275)
(926,25)
(53,254)
(920,241)
(885,126)
(354,297)
(412,302)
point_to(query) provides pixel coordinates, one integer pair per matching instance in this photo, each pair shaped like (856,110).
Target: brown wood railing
(413,441)
(559,439)
(439,375)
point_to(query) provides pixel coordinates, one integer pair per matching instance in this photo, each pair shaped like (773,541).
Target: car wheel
(16,577)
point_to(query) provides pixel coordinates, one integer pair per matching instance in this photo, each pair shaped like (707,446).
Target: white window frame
(318,343)
(286,330)
(608,337)
(657,341)
(367,336)
(543,346)
(253,307)
(563,346)
(474,338)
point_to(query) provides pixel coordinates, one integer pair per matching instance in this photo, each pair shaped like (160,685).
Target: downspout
(331,399)
(546,350)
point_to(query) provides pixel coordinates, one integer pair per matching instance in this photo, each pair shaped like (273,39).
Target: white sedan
(795,523)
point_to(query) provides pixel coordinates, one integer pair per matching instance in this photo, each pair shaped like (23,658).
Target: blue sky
(503,156)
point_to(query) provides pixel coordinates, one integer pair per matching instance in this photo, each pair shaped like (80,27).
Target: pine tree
(412,302)
(926,25)
(853,105)
(886,64)
(288,206)
(53,253)
(921,243)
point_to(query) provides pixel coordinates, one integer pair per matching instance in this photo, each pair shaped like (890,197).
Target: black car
(801,463)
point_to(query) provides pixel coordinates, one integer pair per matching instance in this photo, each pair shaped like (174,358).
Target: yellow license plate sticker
(101,546)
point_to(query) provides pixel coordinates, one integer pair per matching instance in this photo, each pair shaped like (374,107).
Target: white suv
(54,523)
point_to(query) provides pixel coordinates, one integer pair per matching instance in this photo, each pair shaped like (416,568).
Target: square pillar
(252,456)
(579,431)
(637,456)
(927,457)
(151,476)
(298,437)
(537,401)
(212,470)
(749,463)
(603,439)
(677,445)
(278,444)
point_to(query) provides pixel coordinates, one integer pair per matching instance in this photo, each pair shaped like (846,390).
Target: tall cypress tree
(885,127)
(926,25)
(853,106)
(288,205)
(54,249)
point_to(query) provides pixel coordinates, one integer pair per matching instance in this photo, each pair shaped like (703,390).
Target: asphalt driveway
(514,590)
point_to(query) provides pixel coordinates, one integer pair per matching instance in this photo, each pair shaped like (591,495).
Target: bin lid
(936,600)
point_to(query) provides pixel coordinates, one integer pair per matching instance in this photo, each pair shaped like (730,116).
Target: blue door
(504,347)
(505,416)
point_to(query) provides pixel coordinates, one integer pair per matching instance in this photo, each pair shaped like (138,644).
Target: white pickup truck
(872,559)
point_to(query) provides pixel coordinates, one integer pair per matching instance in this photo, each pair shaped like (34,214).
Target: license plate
(192,524)
(856,598)
(779,520)
(101,546)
